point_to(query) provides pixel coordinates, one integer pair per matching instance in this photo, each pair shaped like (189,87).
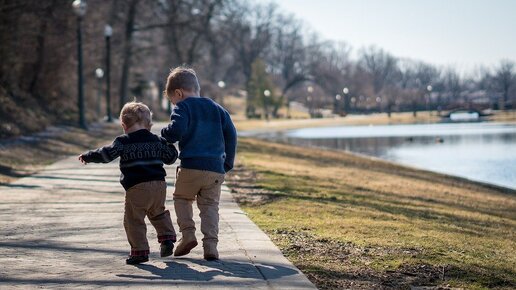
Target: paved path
(62,228)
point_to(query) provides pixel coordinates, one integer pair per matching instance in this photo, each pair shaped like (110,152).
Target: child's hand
(81,158)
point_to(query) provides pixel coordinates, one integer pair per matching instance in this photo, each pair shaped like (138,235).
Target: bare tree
(287,58)
(505,77)
(452,85)
(128,50)
(249,33)
(382,66)
(188,22)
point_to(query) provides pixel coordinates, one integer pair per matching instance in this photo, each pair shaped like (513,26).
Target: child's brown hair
(136,112)
(182,78)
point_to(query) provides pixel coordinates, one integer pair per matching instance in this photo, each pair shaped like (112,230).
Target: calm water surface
(478,151)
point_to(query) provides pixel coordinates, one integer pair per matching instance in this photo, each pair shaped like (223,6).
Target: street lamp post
(267,94)
(309,103)
(108,31)
(336,106)
(345,90)
(79,7)
(427,99)
(310,90)
(221,85)
(379,104)
(99,73)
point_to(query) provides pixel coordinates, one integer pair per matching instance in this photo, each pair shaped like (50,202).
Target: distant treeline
(250,49)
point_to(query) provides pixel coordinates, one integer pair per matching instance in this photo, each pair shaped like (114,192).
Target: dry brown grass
(372,119)
(503,116)
(243,124)
(23,156)
(382,219)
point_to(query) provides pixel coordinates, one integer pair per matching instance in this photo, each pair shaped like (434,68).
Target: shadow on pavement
(10,172)
(44,245)
(109,180)
(208,270)
(10,185)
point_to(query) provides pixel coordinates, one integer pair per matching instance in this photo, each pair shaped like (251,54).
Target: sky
(460,33)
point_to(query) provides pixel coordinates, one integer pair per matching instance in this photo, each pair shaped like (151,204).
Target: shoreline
(258,126)
(493,186)
(361,120)
(412,167)
(415,168)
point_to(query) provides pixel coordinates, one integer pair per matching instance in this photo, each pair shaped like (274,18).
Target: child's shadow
(205,271)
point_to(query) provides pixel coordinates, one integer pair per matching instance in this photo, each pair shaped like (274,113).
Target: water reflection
(480,151)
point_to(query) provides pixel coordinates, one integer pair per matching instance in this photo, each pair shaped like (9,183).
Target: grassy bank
(25,155)
(354,222)
(371,119)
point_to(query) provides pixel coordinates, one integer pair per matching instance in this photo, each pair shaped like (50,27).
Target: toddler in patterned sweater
(142,155)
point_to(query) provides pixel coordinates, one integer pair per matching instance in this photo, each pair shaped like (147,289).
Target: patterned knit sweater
(141,153)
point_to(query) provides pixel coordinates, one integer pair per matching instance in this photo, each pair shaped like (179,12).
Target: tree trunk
(127,53)
(40,48)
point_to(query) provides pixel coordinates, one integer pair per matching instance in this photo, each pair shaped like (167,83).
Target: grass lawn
(354,222)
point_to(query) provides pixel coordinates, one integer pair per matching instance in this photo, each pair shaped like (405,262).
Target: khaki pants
(147,199)
(192,184)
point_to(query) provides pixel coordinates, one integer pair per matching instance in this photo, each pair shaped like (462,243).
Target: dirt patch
(242,183)
(337,265)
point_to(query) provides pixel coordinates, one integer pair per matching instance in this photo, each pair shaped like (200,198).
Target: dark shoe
(167,247)
(134,260)
(211,257)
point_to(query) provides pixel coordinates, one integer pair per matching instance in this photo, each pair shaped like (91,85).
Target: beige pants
(192,184)
(146,199)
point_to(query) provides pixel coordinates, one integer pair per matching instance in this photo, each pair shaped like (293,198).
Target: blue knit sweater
(206,135)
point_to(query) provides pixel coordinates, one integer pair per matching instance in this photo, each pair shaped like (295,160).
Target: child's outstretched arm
(230,142)
(104,154)
(169,154)
(178,124)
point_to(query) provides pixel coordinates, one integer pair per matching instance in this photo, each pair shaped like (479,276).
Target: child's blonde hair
(136,112)
(181,78)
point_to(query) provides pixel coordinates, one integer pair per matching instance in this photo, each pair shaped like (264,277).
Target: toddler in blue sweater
(207,147)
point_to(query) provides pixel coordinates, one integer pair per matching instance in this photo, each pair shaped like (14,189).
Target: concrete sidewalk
(62,228)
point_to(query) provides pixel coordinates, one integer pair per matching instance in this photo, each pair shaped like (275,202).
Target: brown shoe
(186,244)
(210,252)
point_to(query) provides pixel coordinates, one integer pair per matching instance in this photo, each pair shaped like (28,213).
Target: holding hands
(81,158)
